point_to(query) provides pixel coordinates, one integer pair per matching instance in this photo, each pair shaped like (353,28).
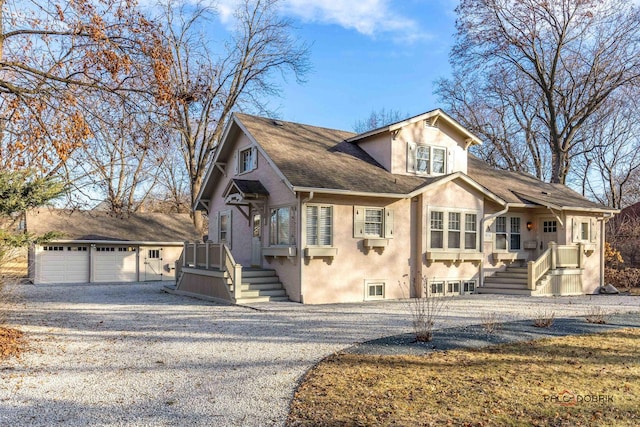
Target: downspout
(302,203)
(605,219)
(482,222)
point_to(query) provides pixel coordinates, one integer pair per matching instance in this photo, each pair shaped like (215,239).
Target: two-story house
(320,215)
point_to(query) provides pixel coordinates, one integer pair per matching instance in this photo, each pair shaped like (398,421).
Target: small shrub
(424,310)
(597,314)
(490,322)
(544,319)
(622,278)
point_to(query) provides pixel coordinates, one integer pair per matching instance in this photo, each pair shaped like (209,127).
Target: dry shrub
(425,311)
(622,278)
(544,319)
(597,315)
(490,322)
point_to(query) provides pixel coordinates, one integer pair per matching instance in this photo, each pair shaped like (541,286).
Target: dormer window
(426,159)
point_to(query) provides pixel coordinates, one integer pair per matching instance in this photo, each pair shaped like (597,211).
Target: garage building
(96,246)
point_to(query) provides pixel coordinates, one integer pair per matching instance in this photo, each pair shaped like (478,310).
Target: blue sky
(365,55)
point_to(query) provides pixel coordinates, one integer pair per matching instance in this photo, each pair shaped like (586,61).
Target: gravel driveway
(130,354)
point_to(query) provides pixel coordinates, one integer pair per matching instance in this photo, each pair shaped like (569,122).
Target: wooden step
(502,291)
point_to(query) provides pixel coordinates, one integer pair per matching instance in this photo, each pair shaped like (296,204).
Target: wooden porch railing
(213,256)
(557,256)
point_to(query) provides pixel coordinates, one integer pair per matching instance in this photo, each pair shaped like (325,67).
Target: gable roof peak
(433,115)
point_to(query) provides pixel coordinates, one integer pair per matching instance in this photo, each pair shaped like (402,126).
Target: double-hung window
(470,231)
(423,159)
(450,230)
(281,226)
(247,160)
(372,222)
(426,159)
(437,230)
(319,225)
(454,230)
(508,229)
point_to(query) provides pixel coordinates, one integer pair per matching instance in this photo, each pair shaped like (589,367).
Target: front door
(548,233)
(256,240)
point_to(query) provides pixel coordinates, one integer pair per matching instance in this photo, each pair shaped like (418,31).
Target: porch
(209,270)
(557,272)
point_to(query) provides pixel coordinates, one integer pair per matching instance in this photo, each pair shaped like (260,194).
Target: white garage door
(115,264)
(62,264)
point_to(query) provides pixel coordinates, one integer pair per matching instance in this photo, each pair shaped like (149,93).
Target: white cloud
(369,17)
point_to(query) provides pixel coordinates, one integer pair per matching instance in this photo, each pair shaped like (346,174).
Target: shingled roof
(514,187)
(315,157)
(104,226)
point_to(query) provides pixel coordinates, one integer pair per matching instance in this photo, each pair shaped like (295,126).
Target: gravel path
(132,355)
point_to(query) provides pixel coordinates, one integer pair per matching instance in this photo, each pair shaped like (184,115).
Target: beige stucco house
(318,215)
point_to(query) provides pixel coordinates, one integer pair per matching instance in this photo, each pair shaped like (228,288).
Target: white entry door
(256,240)
(152,263)
(548,233)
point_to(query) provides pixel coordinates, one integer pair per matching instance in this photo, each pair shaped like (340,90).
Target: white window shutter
(593,233)
(214,232)
(358,221)
(575,230)
(388,223)
(254,158)
(450,161)
(236,163)
(411,157)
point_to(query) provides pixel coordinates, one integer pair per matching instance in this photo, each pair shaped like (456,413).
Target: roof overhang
(349,192)
(547,204)
(244,192)
(110,242)
(433,115)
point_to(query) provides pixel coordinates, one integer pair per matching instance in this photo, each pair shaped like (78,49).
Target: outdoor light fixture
(529,225)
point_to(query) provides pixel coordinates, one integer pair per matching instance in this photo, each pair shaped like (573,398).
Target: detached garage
(96,246)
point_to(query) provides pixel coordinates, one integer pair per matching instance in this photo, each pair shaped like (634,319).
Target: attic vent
(277,123)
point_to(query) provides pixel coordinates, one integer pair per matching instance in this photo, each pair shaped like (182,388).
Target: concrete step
(501,279)
(510,274)
(261,286)
(258,272)
(502,291)
(264,293)
(253,300)
(505,285)
(255,279)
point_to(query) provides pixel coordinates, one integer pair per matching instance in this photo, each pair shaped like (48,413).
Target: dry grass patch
(539,383)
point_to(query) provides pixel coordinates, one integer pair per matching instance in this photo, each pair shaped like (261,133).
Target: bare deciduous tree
(562,58)
(208,83)
(51,54)
(377,119)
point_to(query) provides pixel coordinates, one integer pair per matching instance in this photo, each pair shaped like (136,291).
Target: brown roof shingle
(315,157)
(99,225)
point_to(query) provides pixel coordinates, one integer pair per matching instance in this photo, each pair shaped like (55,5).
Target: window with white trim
(319,225)
(584,231)
(436,288)
(468,286)
(426,159)
(372,222)
(224,227)
(470,231)
(453,237)
(453,287)
(447,234)
(282,226)
(375,290)
(508,233)
(247,160)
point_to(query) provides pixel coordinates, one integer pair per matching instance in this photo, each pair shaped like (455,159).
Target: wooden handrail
(557,256)
(234,270)
(538,268)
